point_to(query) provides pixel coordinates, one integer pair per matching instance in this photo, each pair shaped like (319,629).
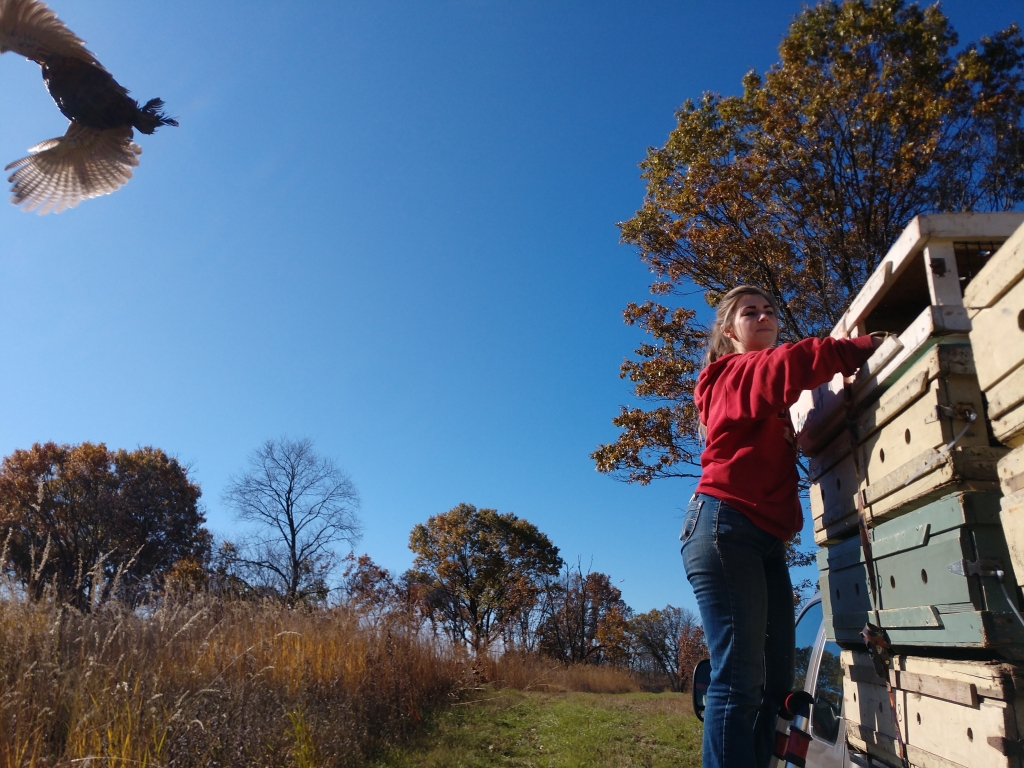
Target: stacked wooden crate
(911,441)
(951,713)
(995,305)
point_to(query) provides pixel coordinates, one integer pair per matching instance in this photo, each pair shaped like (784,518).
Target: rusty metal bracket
(967,567)
(955,411)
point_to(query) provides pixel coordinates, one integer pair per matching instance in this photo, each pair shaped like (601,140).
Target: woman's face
(754,325)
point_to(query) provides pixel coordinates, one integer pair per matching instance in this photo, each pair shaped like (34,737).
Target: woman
(745,510)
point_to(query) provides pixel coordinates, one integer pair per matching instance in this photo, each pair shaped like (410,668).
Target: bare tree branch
(303,505)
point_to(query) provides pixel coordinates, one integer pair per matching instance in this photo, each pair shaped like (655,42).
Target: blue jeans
(739,575)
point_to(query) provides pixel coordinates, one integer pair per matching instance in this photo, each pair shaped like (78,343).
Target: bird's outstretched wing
(83,163)
(30,28)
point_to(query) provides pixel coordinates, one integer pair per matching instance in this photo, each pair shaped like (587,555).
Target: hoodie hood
(705,383)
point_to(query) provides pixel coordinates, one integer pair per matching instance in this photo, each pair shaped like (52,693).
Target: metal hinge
(976,567)
(957,411)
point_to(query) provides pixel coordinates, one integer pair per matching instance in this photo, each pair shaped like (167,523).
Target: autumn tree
(692,649)
(800,185)
(584,619)
(481,569)
(302,505)
(71,513)
(657,634)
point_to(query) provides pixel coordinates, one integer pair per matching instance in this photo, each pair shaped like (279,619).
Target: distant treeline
(83,525)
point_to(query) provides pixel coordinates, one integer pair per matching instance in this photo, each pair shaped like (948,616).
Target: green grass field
(556,730)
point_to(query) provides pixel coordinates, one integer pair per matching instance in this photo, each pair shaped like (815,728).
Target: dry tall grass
(208,683)
(529,672)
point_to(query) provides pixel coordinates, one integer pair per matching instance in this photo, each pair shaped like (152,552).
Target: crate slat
(921,601)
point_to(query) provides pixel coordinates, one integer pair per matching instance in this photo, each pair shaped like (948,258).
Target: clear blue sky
(387,226)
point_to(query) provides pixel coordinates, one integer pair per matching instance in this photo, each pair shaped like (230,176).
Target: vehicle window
(806,634)
(828,695)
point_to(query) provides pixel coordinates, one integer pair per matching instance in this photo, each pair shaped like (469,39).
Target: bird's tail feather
(150,117)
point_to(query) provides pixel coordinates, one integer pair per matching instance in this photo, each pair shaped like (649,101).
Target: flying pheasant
(96,154)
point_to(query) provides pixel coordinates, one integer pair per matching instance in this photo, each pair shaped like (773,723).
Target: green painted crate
(923,601)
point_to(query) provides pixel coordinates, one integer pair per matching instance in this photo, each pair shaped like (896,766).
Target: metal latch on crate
(967,567)
(959,411)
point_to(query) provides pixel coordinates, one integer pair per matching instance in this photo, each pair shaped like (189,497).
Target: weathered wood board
(950,713)
(995,302)
(997,335)
(900,463)
(1009,429)
(1006,394)
(1011,471)
(1012,517)
(922,600)
(1004,270)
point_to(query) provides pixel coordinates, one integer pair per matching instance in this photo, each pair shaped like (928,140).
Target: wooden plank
(1004,269)
(1012,516)
(912,617)
(922,758)
(958,733)
(835,493)
(874,288)
(950,319)
(941,273)
(1006,394)
(864,739)
(1011,471)
(911,240)
(971,226)
(916,339)
(998,337)
(831,455)
(936,687)
(1009,429)
(836,532)
(917,481)
(992,679)
(904,396)
(819,414)
(891,347)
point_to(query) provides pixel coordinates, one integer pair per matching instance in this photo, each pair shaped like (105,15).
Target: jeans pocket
(690,519)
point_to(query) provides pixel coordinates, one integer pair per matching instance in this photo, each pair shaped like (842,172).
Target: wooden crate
(1012,517)
(995,304)
(915,292)
(899,439)
(921,602)
(952,714)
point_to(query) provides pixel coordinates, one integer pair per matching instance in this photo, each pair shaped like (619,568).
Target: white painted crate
(995,304)
(915,292)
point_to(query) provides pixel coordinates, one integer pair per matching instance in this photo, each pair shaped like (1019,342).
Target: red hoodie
(749,461)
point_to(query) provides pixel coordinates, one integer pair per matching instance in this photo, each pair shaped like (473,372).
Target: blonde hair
(719,344)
